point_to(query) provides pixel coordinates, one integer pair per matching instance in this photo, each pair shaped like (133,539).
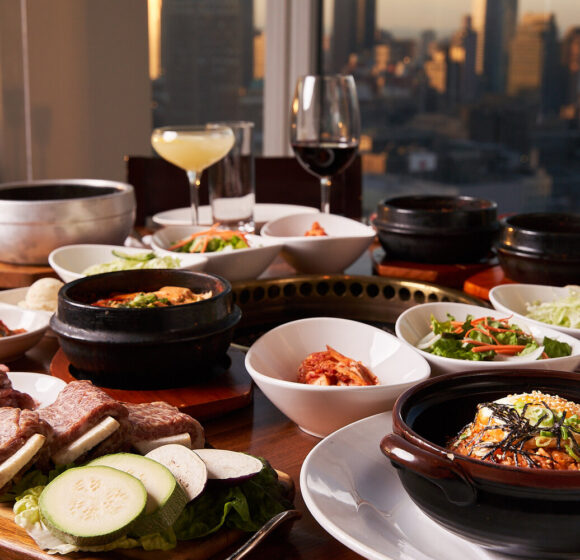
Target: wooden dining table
(260,429)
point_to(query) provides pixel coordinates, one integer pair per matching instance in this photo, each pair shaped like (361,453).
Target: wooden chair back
(160,185)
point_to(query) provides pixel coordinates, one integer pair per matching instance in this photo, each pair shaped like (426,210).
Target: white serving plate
(42,388)
(512,298)
(262,213)
(354,492)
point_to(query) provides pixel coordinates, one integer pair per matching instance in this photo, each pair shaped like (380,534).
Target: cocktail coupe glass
(325,127)
(193,148)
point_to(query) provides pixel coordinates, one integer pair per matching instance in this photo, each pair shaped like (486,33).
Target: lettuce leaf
(555,348)
(246,506)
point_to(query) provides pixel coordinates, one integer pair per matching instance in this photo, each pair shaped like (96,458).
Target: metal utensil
(261,533)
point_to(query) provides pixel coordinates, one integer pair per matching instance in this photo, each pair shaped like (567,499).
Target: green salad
(487,338)
(212,240)
(126,261)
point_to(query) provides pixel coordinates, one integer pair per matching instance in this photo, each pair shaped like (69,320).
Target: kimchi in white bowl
(325,372)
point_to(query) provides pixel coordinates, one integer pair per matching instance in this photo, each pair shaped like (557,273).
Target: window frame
(292,28)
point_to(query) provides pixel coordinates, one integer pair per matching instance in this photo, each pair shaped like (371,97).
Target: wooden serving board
(449,275)
(481,283)
(229,391)
(15,544)
(22,276)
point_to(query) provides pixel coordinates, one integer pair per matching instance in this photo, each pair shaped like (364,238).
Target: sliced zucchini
(229,466)
(165,497)
(93,505)
(187,467)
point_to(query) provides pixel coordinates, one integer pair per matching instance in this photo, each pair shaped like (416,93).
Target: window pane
(479,98)
(207,61)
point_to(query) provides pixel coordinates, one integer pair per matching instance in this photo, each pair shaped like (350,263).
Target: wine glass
(193,148)
(325,127)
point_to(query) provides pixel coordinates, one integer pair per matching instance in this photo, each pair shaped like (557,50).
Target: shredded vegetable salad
(486,338)
(126,261)
(562,312)
(210,241)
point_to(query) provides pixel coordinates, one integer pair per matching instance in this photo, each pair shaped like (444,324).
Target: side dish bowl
(235,264)
(515,298)
(145,348)
(36,217)
(35,324)
(413,325)
(529,512)
(71,261)
(345,242)
(273,362)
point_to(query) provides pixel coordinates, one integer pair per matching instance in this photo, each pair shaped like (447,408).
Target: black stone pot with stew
(522,511)
(151,347)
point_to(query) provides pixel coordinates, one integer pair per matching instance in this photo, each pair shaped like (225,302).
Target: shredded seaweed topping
(521,424)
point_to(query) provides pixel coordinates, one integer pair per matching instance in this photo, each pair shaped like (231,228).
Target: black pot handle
(440,470)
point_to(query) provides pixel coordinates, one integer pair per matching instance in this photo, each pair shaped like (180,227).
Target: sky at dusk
(409,17)
(444,16)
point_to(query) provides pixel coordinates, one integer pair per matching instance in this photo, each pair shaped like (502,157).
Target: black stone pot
(437,229)
(513,510)
(541,248)
(150,348)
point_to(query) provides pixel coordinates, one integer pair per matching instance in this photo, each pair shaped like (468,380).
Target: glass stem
(325,184)
(194,182)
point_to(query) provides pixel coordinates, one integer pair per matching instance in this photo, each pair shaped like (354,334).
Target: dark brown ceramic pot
(146,348)
(541,248)
(437,229)
(528,512)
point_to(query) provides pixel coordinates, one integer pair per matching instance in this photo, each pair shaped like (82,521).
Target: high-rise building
(206,51)
(534,70)
(494,22)
(462,53)
(353,30)
(571,66)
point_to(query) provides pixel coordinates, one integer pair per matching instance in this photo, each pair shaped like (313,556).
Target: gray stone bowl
(37,217)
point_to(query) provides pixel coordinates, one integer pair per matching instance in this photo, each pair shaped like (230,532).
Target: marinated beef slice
(80,411)
(19,437)
(156,423)
(10,396)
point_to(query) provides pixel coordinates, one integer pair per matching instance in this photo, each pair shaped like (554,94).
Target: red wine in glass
(324,159)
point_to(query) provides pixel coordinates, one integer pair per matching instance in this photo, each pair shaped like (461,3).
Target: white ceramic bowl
(273,362)
(238,264)
(35,323)
(513,299)
(414,324)
(70,261)
(345,242)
